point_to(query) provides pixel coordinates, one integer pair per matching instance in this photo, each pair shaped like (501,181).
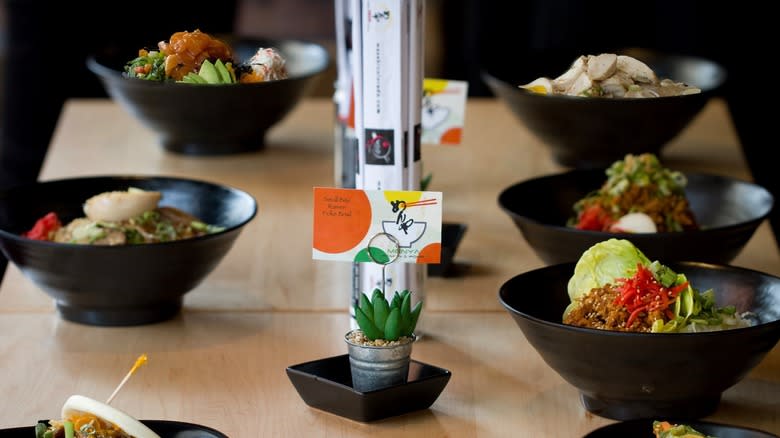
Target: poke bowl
(139,279)
(591,132)
(627,375)
(727,212)
(209,119)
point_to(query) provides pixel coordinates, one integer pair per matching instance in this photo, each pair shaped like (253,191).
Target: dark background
(44,45)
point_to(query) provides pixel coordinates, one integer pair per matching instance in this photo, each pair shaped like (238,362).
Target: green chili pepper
(40,429)
(69,433)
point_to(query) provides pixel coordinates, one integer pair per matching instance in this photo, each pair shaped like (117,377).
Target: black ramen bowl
(196,119)
(643,428)
(128,284)
(164,428)
(627,376)
(728,211)
(594,132)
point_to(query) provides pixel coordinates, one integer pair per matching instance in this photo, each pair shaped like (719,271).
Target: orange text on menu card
(346,220)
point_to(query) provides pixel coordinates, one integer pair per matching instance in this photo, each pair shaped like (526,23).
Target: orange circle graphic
(451,136)
(430,254)
(343,219)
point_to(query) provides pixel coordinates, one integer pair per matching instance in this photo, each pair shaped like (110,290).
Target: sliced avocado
(193,78)
(209,72)
(224,75)
(232,72)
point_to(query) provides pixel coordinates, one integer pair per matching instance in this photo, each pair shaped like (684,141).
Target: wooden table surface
(268,305)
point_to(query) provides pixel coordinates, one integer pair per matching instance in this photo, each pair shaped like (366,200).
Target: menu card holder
(387,79)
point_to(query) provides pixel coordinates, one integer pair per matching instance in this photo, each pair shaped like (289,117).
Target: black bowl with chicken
(588,132)
(128,284)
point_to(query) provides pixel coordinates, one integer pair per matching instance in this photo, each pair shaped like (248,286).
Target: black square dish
(327,384)
(451,235)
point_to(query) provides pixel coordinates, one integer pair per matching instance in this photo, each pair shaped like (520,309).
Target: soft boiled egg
(634,223)
(539,86)
(118,206)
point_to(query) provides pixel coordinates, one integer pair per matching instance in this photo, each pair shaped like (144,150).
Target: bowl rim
(756,219)
(642,335)
(4,234)
(107,72)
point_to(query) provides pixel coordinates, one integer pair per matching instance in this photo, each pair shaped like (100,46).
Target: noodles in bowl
(123,284)
(626,375)
(616,287)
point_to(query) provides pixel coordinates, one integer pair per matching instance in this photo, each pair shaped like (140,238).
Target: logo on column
(379,147)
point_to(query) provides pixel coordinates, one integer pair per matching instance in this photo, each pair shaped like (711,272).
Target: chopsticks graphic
(421,202)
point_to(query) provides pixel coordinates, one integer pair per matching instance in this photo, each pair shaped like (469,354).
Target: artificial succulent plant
(380,319)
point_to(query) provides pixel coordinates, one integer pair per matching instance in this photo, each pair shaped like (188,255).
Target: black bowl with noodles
(622,375)
(197,119)
(728,211)
(588,132)
(125,284)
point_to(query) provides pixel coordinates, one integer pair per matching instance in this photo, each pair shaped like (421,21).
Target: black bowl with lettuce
(675,372)
(727,212)
(129,284)
(206,119)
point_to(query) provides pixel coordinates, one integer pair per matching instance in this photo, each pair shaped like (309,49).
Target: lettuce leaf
(601,264)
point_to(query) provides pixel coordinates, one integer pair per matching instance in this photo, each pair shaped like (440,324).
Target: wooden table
(268,305)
